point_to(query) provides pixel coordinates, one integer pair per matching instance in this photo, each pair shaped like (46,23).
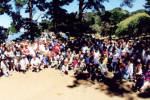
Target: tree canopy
(56,18)
(147,5)
(134,25)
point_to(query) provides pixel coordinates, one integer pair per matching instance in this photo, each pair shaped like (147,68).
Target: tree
(4,9)
(118,15)
(5,6)
(55,12)
(135,25)
(89,4)
(106,23)
(138,11)
(128,3)
(30,6)
(3,36)
(90,18)
(12,28)
(13,8)
(147,5)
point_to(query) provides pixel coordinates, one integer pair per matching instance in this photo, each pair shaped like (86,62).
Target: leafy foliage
(5,6)
(12,28)
(118,15)
(139,11)
(134,25)
(3,34)
(128,3)
(56,18)
(147,5)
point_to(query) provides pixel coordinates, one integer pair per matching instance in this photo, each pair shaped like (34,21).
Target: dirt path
(49,84)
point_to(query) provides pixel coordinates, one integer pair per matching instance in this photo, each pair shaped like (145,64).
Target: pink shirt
(75,62)
(26,51)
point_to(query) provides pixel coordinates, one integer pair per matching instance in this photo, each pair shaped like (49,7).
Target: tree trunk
(30,9)
(55,15)
(81,3)
(31,19)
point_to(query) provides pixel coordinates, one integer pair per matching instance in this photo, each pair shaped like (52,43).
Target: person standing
(115,61)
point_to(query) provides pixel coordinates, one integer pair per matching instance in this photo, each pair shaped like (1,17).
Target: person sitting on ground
(139,82)
(128,71)
(45,61)
(24,63)
(4,68)
(16,63)
(146,78)
(64,68)
(35,63)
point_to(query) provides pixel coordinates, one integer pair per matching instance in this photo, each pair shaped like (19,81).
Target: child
(103,67)
(64,68)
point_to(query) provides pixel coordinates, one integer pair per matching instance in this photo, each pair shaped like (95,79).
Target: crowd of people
(126,59)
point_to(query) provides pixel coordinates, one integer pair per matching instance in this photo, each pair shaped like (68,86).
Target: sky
(73,7)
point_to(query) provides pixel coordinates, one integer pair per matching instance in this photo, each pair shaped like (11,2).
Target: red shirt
(26,51)
(75,62)
(105,52)
(56,48)
(52,54)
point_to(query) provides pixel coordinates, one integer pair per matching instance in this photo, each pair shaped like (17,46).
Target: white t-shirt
(35,46)
(3,66)
(130,69)
(115,57)
(64,68)
(24,63)
(35,62)
(9,54)
(146,58)
(41,47)
(96,54)
(84,49)
(32,52)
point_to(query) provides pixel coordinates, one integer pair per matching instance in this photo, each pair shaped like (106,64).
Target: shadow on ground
(145,94)
(81,79)
(109,86)
(115,87)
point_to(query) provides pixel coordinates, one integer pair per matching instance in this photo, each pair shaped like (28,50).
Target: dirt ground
(50,84)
